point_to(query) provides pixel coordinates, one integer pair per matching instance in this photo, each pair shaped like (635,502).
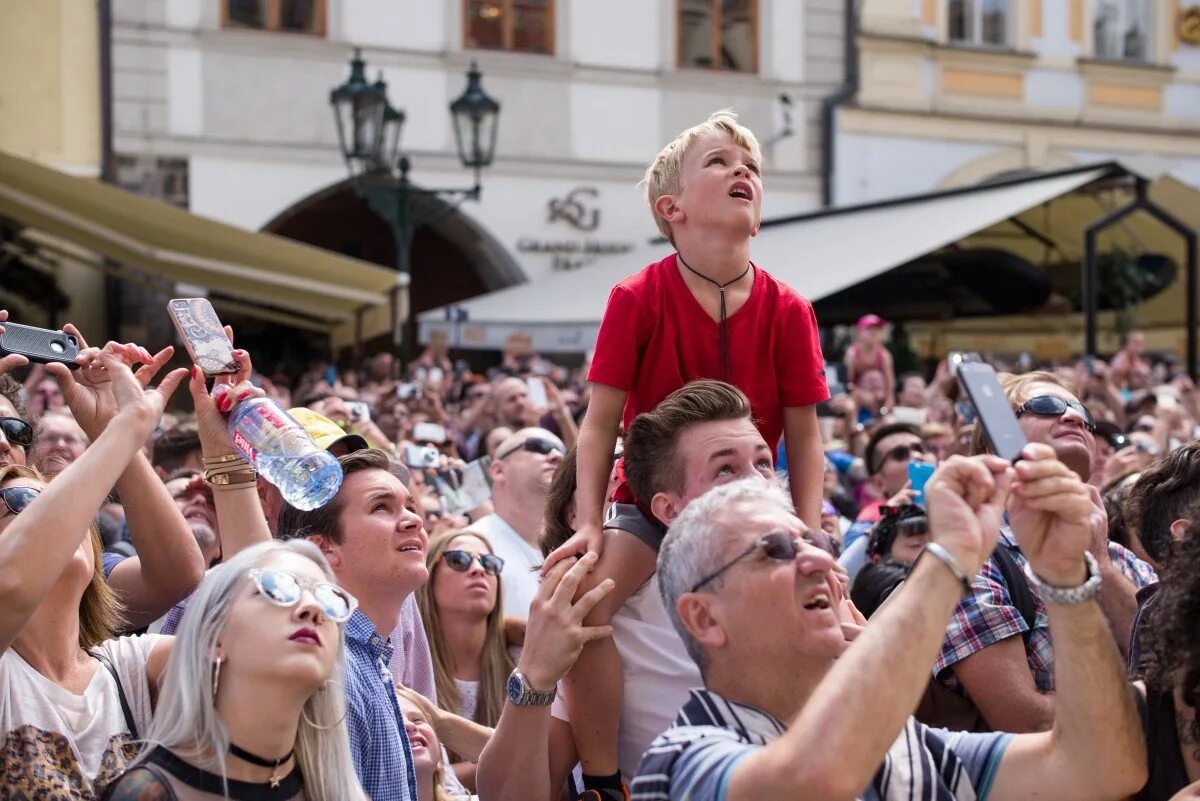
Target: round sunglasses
(16,499)
(1054,406)
(461,561)
(283,589)
(17,431)
(777,545)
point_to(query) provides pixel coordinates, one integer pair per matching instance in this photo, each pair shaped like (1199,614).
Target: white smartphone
(537,393)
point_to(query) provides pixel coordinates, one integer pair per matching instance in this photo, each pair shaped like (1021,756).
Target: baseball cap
(324,431)
(870,321)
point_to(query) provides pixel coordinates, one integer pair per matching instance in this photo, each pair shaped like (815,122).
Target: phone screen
(991,405)
(537,393)
(918,476)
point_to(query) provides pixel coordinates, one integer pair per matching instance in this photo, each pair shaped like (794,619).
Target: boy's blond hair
(664,173)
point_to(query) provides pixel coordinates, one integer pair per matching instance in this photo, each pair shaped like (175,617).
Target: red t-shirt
(656,337)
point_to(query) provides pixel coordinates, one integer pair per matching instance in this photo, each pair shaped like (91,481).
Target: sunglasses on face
(461,561)
(17,431)
(901,453)
(17,498)
(283,589)
(537,445)
(1053,406)
(778,546)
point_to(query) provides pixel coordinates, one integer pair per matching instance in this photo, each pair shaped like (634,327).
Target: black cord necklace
(722,325)
(253,759)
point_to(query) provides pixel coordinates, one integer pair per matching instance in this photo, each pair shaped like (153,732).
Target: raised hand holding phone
(991,404)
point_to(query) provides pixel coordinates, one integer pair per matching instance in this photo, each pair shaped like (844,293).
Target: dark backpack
(945,708)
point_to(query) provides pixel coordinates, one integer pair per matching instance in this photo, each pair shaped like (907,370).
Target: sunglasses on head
(17,431)
(17,498)
(283,589)
(1054,406)
(536,445)
(778,545)
(461,561)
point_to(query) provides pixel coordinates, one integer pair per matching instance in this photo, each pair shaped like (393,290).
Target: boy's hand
(588,539)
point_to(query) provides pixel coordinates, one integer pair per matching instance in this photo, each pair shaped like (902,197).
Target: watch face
(515,690)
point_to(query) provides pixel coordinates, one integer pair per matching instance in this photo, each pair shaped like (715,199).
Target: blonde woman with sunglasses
(251,703)
(462,608)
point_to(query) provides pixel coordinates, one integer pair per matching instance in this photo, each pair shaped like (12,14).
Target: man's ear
(668,209)
(666,506)
(331,550)
(697,615)
(1179,529)
(496,469)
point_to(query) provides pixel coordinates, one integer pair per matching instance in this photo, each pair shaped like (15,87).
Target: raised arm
(515,765)
(1095,749)
(597,441)
(168,564)
(240,515)
(838,740)
(39,542)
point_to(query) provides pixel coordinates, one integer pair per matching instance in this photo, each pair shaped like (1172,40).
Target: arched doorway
(453,258)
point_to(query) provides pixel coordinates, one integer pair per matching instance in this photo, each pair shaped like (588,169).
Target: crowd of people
(682,570)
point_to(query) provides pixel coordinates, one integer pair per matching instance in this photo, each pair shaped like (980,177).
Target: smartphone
(918,476)
(1000,424)
(358,411)
(907,414)
(434,376)
(39,345)
(409,391)
(537,393)
(474,487)
(429,432)
(205,340)
(422,458)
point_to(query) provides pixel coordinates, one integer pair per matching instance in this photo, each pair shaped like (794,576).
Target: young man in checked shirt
(990,654)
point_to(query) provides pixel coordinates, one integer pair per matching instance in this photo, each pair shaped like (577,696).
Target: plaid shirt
(378,741)
(987,615)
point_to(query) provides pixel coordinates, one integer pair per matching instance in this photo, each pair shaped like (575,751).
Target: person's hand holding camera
(1051,512)
(965,501)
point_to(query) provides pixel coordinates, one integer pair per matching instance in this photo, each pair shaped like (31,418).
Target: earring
(216,675)
(345,708)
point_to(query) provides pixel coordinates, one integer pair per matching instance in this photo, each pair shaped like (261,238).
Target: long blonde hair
(495,663)
(186,720)
(100,613)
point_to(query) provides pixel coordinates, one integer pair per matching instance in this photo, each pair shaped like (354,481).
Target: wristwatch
(520,693)
(1086,591)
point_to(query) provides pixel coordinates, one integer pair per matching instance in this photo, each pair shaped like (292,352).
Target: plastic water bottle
(283,452)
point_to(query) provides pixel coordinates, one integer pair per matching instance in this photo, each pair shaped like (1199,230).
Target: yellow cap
(324,431)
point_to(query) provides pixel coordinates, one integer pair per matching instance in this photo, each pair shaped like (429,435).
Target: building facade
(951,92)
(229,99)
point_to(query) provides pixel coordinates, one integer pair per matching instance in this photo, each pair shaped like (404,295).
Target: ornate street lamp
(369,129)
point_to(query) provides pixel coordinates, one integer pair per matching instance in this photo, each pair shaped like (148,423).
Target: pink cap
(870,321)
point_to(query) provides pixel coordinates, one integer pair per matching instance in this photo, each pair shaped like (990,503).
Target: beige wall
(50,112)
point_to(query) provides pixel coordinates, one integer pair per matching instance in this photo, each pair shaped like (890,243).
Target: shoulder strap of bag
(111,668)
(1018,589)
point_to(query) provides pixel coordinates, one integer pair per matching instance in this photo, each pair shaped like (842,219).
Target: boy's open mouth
(742,190)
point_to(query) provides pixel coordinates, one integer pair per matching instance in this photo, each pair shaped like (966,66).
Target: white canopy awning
(818,254)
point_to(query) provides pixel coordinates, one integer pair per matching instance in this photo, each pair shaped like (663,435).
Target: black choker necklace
(722,326)
(273,764)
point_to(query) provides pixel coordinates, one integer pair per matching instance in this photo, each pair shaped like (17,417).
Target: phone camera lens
(58,347)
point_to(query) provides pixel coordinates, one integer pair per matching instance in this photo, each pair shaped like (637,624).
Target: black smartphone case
(39,345)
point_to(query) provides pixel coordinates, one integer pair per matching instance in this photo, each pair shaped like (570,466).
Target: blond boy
(705,311)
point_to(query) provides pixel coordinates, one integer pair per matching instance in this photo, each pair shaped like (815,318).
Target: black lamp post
(369,129)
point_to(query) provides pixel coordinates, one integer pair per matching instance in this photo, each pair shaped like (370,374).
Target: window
(1122,29)
(980,22)
(522,26)
(719,35)
(290,16)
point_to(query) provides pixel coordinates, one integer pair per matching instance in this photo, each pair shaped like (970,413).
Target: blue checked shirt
(378,742)
(988,615)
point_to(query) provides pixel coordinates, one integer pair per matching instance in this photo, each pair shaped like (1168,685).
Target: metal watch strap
(1086,591)
(527,696)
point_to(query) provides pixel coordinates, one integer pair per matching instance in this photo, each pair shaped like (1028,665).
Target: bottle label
(260,429)
(242,444)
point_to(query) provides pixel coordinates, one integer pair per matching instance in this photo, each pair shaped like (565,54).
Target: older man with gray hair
(788,710)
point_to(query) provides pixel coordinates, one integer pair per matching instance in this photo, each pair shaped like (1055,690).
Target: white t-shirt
(65,732)
(521,562)
(657,675)
(468,698)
